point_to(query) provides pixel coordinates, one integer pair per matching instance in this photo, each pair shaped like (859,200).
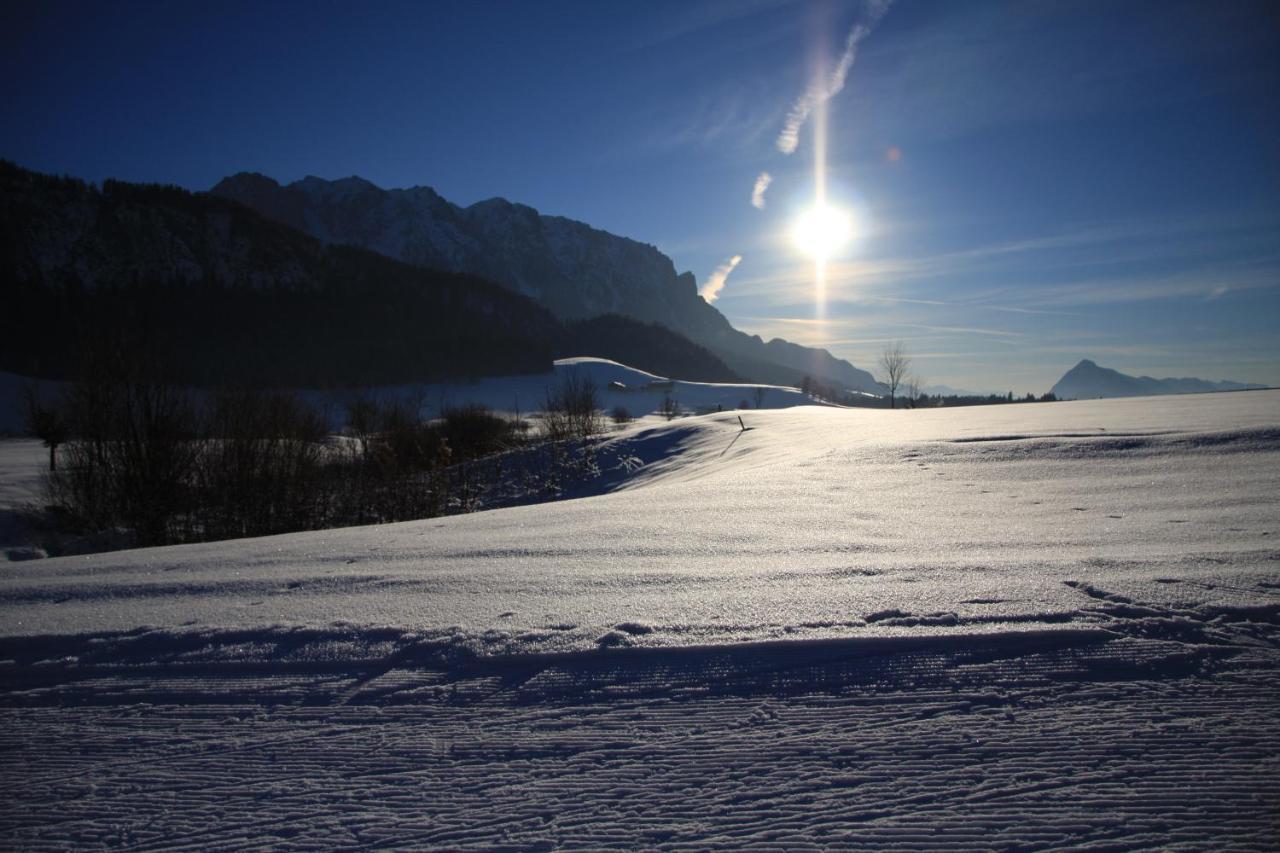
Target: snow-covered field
(22,462)
(1036,624)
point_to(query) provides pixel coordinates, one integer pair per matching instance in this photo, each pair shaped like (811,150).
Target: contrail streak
(715,282)
(757,193)
(820,91)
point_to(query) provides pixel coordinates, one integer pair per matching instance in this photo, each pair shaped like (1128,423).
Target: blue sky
(1034,182)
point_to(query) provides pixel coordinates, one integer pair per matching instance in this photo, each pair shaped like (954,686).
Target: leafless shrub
(914,387)
(572,410)
(132,456)
(668,408)
(260,466)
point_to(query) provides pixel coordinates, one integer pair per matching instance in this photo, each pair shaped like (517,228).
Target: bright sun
(821,231)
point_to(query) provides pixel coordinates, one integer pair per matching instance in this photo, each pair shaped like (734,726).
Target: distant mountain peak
(496,201)
(245,180)
(350,182)
(1088,380)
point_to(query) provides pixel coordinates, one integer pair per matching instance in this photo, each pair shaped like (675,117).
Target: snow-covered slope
(810,521)
(618,386)
(1033,625)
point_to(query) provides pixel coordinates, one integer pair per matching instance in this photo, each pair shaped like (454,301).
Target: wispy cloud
(965,46)
(715,282)
(1207,284)
(727,119)
(981,301)
(964,330)
(695,19)
(757,192)
(1043,275)
(824,89)
(824,329)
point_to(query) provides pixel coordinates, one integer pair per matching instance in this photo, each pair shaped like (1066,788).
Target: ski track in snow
(1031,626)
(1104,737)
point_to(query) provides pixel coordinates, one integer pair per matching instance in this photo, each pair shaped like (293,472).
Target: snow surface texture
(23,461)
(1034,624)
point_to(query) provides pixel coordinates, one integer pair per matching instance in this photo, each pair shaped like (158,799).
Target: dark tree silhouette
(46,423)
(895,363)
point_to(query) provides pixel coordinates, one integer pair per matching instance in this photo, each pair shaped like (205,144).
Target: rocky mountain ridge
(228,294)
(568,267)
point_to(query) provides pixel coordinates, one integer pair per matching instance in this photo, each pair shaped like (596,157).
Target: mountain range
(571,269)
(341,282)
(1087,380)
(216,292)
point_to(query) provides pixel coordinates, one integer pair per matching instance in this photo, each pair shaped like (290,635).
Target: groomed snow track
(1144,728)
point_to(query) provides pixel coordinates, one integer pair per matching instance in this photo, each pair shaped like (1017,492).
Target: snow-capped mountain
(572,269)
(1087,380)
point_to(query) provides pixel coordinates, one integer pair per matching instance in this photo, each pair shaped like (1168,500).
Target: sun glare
(822,231)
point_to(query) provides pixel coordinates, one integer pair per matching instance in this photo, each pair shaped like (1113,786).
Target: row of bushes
(157,465)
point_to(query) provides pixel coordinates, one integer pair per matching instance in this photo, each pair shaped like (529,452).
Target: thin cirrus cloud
(715,282)
(823,90)
(694,19)
(757,192)
(1203,284)
(1109,248)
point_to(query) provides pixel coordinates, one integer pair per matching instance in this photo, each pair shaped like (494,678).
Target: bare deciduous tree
(46,422)
(669,408)
(895,363)
(914,386)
